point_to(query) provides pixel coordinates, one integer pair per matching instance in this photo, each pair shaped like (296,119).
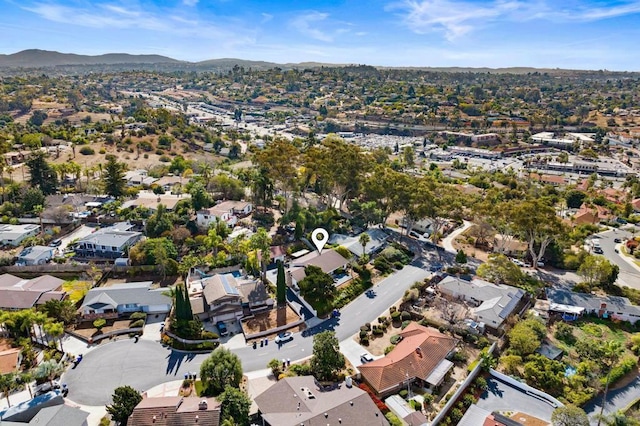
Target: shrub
(395,339)
(459,356)
(405,324)
(363,334)
(389,349)
(481,383)
(137,316)
(102,151)
(87,150)
(415,405)
(405,316)
(208,335)
(164,159)
(564,332)
(378,331)
(617,372)
(301,369)
(395,316)
(382,319)
(483,342)
(137,323)
(403,393)
(364,341)
(99,323)
(393,419)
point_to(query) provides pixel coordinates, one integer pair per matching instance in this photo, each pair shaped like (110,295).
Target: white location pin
(319,236)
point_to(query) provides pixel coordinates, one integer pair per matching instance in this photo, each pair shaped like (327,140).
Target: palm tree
(39,209)
(6,384)
(612,351)
(364,239)
(55,329)
(25,378)
(48,370)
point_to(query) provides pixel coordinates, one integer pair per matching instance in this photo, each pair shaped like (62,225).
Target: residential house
(229,298)
(151,201)
(400,407)
(377,241)
(509,245)
(35,255)
(18,293)
(108,243)
(329,262)
(493,303)
(14,235)
(139,177)
(476,416)
(175,411)
(226,211)
(125,299)
(173,184)
(57,415)
(421,356)
(572,305)
(301,401)
(24,412)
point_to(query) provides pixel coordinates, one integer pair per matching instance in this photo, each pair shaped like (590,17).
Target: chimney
(203,405)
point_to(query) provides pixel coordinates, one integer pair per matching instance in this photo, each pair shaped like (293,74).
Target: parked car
(518,262)
(222,328)
(617,240)
(56,243)
(284,337)
(365,358)
(598,250)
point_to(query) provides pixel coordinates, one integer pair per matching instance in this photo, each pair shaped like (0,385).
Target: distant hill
(35,58)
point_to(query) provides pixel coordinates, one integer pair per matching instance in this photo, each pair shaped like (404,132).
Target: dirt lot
(87,330)
(270,319)
(469,249)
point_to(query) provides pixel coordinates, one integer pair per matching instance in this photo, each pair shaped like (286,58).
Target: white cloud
(457,18)
(307,24)
(190,2)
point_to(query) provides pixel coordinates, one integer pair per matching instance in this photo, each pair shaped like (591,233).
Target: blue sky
(476,33)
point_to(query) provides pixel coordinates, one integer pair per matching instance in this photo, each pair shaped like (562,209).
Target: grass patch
(199,386)
(76,289)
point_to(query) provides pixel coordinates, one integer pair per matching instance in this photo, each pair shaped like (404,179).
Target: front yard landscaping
(271,319)
(87,330)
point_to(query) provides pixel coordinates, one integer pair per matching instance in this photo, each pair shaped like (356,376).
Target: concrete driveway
(501,396)
(81,232)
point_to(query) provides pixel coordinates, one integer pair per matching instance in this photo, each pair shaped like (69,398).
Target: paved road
(500,396)
(145,364)
(616,400)
(629,275)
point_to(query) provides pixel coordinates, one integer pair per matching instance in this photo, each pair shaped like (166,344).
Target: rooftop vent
(203,405)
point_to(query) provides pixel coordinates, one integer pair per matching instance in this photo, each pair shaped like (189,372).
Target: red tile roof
(406,359)
(175,411)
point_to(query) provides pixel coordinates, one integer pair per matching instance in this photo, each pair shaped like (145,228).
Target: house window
(114,248)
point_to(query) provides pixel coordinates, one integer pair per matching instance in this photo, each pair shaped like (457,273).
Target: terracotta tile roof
(390,371)
(175,411)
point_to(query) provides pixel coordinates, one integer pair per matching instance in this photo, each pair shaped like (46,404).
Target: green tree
(364,239)
(159,223)
(281,286)
(595,270)
(7,382)
(276,367)
(569,415)
(500,270)
(575,198)
(56,330)
(525,337)
(221,369)
(537,223)
(461,257)
(60,310)
(327,360)
(611,351)
(32,197)
(113,178)
(99,323)
(234,405)
(125,399)
(41,173)
(200,198)
(316,285)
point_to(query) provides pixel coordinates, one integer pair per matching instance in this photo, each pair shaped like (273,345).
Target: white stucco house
(227,211)
(35,255)
(14,235)
(125,298)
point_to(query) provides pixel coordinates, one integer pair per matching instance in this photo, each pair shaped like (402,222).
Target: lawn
(76,289)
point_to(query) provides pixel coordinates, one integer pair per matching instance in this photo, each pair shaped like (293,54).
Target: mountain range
(36,58)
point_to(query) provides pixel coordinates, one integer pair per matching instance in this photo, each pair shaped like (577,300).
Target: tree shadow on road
(175,360)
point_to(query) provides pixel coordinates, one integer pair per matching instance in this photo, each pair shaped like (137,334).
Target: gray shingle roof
(110,237)
(129,293)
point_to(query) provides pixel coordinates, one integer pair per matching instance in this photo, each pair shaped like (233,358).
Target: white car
(518,262)
(365,358)
(284,337)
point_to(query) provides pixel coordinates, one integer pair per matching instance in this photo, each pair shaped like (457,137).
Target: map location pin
(319,236)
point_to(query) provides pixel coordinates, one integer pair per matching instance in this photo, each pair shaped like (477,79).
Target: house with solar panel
(491,304)
(226,298)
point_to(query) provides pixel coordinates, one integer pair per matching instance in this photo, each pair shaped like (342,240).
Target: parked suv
(222,328)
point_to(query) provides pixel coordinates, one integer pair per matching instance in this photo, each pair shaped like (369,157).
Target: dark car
(222,328)
(617,240)
(598,250)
